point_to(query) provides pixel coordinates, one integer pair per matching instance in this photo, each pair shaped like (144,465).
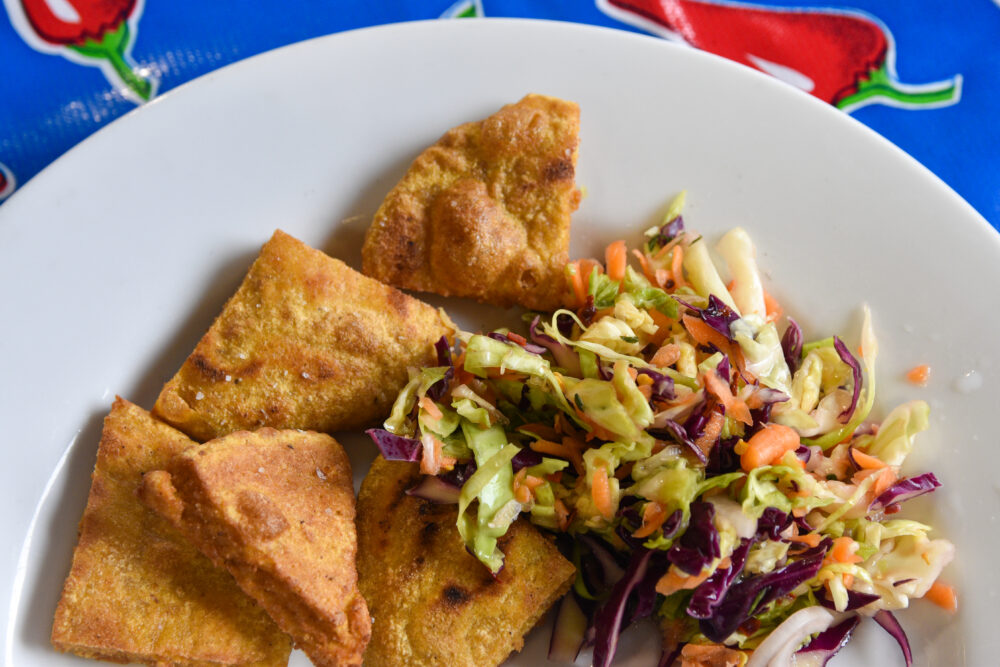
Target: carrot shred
(653,516)
(576,283)
(541,430)
(919,375)
(867,461)
(843,550)
(663,324)
(666,355)
(768,445)
(517,338)
(704,334)
(711,432)
(646,390)
(431,408)
(772,308)
(677,267)
(809,539)
(562,514)
(672,582)
(886,478)
(600,489)
(646,269)
(616,259)
(735,407)
(943,596)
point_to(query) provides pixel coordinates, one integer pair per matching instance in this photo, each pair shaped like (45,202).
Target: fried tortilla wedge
(137,590)
(276,508)
(433,603)
(306,342)
(485,212)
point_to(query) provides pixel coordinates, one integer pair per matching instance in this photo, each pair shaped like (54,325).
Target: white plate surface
(116,258)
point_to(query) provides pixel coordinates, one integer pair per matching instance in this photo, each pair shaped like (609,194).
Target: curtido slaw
(696,464)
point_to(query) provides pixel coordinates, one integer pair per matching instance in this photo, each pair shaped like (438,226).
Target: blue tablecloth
(924,74)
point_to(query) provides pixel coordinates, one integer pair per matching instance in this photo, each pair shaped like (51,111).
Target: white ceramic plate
(116,258)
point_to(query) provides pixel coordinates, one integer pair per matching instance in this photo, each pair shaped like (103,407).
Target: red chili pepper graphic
(95,31)
(844,58)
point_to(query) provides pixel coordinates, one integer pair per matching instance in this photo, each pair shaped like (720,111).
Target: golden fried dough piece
(306,342)
(485,212)
(432,602)
(276,508)
(137,590)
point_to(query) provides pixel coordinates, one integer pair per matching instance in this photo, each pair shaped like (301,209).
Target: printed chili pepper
(7,182)
(846,58)
(89,32)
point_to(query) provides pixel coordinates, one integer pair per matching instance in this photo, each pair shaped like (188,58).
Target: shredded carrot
(674,580)
(919,375)
(653,516)
(562,514)
(666,355)
(662,252)
(710,434)
(431,408)
(886,478)
(522,493)
(809,539)
(943,596)
(616,259)
(768,445)
(772,307)
(677,267)
(576,282)
(431,457)
(532,482)
(663,324)
(541,430)
(646,269)
(735,407)
(633,372)
(600,489)
(646,390)
(843,550)
(555,477)
(543,446)
(517,338)
(704,334)
(867,461)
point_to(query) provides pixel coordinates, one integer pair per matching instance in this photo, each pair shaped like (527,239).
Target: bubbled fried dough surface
(276,508)
(485,212)
(433,603)
(306,342)
(137,590)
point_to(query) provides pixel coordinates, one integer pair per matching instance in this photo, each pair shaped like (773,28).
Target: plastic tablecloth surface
(925,74)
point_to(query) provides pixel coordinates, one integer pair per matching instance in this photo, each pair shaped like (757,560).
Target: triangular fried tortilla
(138,591)
(485,212)
(306,342)
(433,603)
(276,508)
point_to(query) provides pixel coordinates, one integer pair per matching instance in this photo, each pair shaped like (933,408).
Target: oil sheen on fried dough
(276,508)
(485,212)
(306,342)
(432,603)
(137,590)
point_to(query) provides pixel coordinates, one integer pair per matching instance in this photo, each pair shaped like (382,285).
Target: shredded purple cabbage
(772,523)
(719,316)
(663,385)
(525,459)
(395,447)
(723,458)
(848,358)
(752,593)
(437,390)
(831,640)
(611,571)
(709,594)
(855,600)
(680,434)
(888,622)
(670,230)
(460,474)
(723,369)
(435,490)
(905,489)
(443,352)
(791,345)
(699,545)
(642,572)
(803,453)
(564,355)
